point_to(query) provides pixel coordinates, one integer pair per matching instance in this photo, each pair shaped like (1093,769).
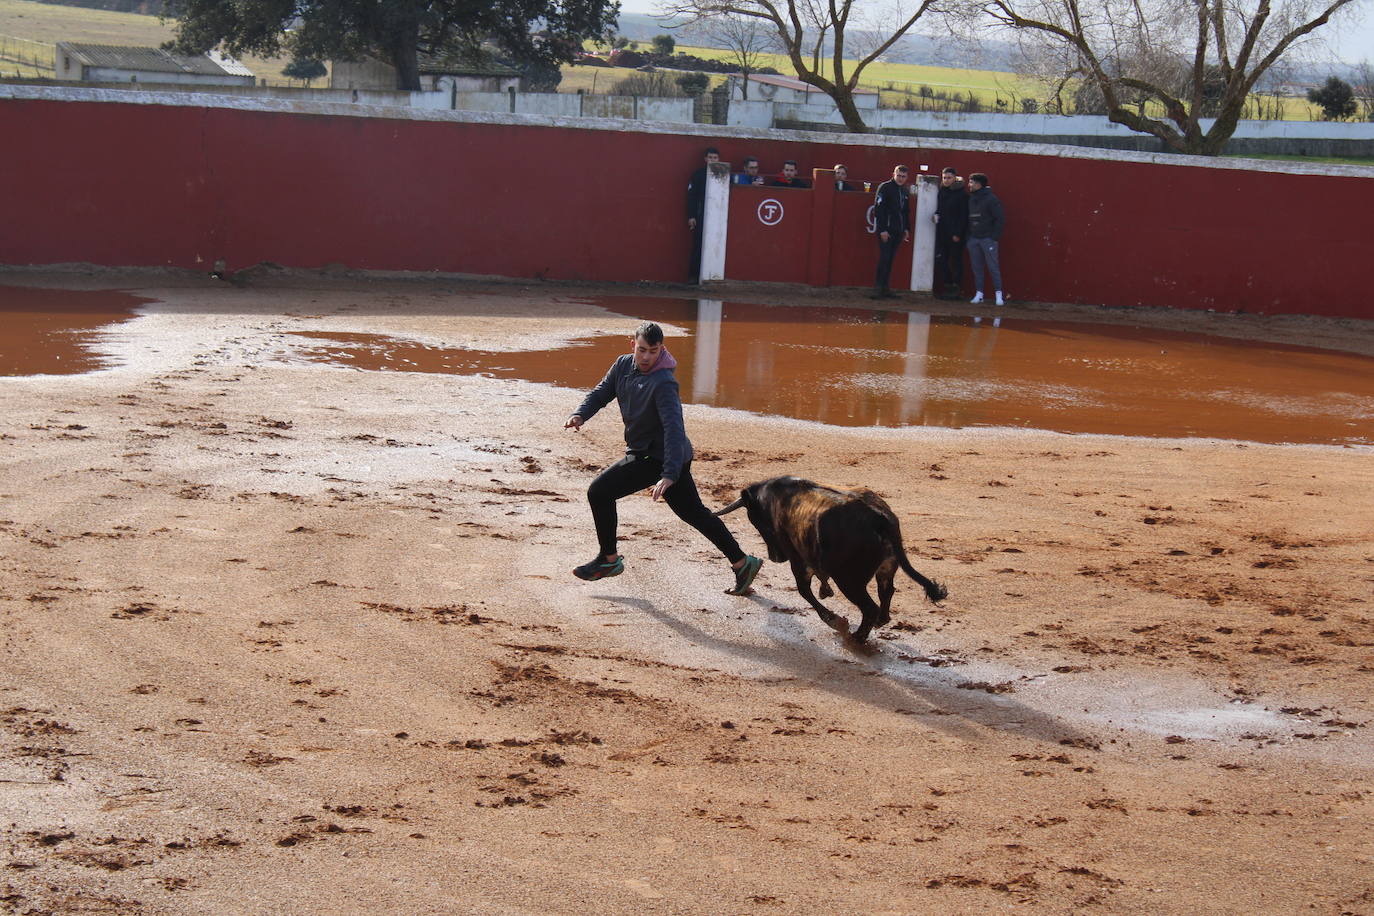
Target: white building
(453,72)
(117,64)
(768,88)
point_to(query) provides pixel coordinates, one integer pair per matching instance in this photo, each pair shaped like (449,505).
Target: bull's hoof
(860,635)
(837,623)
(826,591)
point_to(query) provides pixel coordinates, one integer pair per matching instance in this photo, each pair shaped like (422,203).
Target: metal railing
(35,55)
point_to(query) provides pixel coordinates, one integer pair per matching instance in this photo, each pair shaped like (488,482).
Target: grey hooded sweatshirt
(651,408)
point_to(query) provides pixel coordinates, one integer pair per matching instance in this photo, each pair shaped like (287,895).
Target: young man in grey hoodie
(657,454)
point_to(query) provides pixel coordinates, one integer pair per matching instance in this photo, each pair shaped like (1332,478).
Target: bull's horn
(732,507)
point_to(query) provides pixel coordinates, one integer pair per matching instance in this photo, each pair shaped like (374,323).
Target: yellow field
(50,23)
(894,82)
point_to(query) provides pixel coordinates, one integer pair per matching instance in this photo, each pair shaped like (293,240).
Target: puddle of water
(853,367)
(42,331)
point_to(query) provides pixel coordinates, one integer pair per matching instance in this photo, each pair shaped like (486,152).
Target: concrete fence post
(715,221)
(923,236)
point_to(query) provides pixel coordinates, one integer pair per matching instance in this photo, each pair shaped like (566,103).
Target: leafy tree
(665,45)
(1159,66)
(694,83)
(307,70)
(396,31)
(855,33)
(1336,98)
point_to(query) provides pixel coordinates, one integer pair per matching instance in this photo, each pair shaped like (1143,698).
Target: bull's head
(755,500)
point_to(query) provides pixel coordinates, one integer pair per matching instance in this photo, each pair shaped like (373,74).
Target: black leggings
(634,473)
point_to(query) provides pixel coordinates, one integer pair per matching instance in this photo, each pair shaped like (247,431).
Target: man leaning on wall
(892,223)
(951,230)
(696,211)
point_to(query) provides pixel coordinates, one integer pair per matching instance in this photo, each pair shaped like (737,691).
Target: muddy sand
(280,637)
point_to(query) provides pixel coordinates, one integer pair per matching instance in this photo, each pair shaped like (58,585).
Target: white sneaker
(977,298)
(999,298)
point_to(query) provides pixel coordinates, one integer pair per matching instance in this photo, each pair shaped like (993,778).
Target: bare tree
(747,39)
(829,42)
(1363,84)
(1126,49)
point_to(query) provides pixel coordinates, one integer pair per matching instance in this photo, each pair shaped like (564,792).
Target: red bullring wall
(137,179)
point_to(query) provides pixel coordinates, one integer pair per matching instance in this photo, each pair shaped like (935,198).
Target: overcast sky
(1351,42)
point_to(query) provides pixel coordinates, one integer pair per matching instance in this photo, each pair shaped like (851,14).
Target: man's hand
(691,222)
(955,238)
(884,235)
(574,423)
(906,236)
(657,492)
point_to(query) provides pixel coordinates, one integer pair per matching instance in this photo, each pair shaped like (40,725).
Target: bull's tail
(892,533)
(934,590)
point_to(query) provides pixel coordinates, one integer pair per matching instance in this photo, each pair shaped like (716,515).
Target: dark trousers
(949,261)
(694,266)
(634,473)
(886,252)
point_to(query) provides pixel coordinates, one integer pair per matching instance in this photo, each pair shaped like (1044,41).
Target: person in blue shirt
(750,175)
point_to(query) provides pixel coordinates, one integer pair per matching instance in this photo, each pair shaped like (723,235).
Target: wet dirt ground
(281,636)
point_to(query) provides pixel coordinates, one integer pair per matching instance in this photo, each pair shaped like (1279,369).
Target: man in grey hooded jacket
(657,454)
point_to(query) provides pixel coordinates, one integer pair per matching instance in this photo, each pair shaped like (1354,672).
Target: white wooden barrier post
(927,194)
(715,221)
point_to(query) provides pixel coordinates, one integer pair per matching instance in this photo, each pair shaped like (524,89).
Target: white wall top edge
(624,125)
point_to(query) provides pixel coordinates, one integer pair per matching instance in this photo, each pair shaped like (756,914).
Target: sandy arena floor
(280,638)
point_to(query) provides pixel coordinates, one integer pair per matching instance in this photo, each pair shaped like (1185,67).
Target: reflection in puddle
(41,330)
(853,367)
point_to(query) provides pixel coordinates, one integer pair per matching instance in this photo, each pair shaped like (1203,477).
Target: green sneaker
(744,576)
(600,569)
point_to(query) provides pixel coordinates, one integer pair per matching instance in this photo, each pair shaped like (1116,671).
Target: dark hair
(791,162)
(949,170)
(710,150)
(749,159)
(840,165)
(901,168)
(652,333)
(980,178)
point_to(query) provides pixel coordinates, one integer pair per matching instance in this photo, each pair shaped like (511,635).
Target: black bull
(849,536)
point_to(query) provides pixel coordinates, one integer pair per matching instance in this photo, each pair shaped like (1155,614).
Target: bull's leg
(886,573)
(826,591)
(857,592)
(803,577)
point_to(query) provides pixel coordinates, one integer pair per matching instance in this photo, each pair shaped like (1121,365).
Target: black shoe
(882,294)
(600,568)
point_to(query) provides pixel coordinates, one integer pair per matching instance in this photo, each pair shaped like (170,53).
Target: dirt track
(279,638)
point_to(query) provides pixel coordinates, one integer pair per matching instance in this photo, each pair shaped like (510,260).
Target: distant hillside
(146,7)
(913,49)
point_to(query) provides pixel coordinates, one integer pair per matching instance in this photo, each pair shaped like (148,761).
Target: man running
(657,454)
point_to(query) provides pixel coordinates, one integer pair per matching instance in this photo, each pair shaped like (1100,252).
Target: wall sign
(770,212)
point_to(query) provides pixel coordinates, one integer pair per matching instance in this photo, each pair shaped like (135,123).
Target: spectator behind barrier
(842,182)
(750,175)
(787,178)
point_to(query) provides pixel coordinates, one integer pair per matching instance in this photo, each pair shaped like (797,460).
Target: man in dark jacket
(657,454)
(787,178)
(951,229)
(696,211)
(892,223)
(985,222)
